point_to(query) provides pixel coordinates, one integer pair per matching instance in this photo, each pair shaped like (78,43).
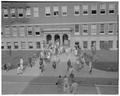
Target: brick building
(29,25)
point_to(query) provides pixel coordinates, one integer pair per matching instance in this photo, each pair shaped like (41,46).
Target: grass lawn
(107,60)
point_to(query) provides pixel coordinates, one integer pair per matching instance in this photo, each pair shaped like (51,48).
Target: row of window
(35,11)
(31,30)
(94,28)
(103,45)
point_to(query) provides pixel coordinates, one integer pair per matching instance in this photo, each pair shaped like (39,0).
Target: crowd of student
(66,82)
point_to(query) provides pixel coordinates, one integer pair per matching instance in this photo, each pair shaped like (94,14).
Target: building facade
(30,25)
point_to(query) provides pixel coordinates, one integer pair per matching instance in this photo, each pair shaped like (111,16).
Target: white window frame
(35,11)
(29,28)
(7,31)
(94,7)
(102,30)
(93,29)
(30,44)
(83,44)
(109,29)
(64,10)
(23,45)
(9,44)
(5,12)
(56,9)
(37,29)
(102,7)
(13,11)
(21,31)
(47,11)
(20,11)
(76,33)
(111,7)
(16,44)
(84,8)
(14,31)
(77,8)
(84,26)
(28,12)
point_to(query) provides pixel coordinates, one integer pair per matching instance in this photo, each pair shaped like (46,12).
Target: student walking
(68,64)
(74,88)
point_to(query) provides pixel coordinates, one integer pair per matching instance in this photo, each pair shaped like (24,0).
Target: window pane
(14,31)
(8,45)
(47,11)
(56,11)
(111,8)
(2,47)
(20,12)
(85,9)
(22,31)
(85,44)
(5,13)
(29,30)
(102,8)
(28,12)
(102,28)
(110,28)
(94,9)
(36,11)
(93,29)
(76,10)
(23,45)
(12,11)
(16,45)
(37,30)
(64,10)
(76,27)
(38,45)
(7,31)
(85,28)
(30,44)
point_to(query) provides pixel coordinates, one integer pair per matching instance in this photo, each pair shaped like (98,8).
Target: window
(85,9)
(47,11)
(7,31)
(76,27)
(14,31)
(110,28)
(36,11)
(22,31)
(2,47)
(8,45)
(93,29)
(104,45)
(94,9)
(110,44)
(102,28)
(111,8)
(29,31)
(5,13)
(93,43)
(28,12)
(56,11)
(117,44)
(85,44)
(12,12)
(37,30)
(76,10)
(38,45)
(85,29)
(23,45)
(15,45)
(102,8)
(20,12)
(64,10)
(30,44)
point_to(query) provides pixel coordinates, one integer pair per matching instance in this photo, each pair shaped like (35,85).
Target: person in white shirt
(74,88)
(21,63)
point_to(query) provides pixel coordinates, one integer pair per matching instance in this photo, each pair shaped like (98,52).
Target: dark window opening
(37,33)
(85,31)
(111,11)
(30,47)
(20,15)
(29,32)
(16,47)
(9,47)
(47,14)
(6,15)
(76,12)
(85,12)
(2,47)
(102,12)
(94,12)
(56,13)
